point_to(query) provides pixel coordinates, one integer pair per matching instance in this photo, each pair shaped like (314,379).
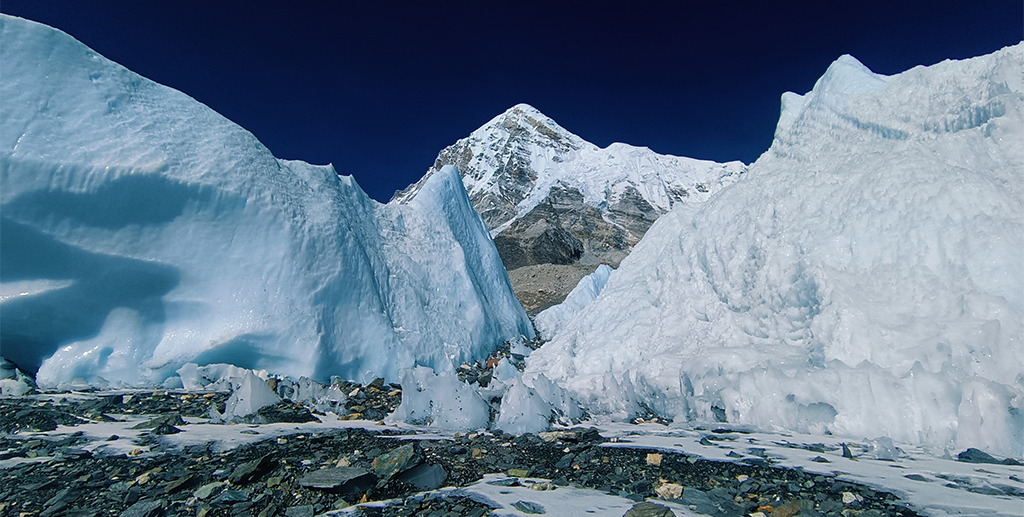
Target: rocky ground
(310,473)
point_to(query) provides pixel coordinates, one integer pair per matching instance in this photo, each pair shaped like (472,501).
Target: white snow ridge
(864,278)
(141,231)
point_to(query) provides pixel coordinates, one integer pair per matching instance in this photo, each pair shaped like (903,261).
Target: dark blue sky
(378,88)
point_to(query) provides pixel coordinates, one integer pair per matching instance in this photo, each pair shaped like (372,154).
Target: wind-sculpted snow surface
(141,230)
(865,278)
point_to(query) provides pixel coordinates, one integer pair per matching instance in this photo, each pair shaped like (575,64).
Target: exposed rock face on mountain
(552,198)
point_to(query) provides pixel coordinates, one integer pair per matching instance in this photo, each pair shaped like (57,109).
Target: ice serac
(551,319)
(558,206)
(142,231)
(864,278)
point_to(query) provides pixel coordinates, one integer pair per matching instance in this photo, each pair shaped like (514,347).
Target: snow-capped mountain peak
(510,164)
(550,197)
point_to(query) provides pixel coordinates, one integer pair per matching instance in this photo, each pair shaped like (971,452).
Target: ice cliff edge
(142,230)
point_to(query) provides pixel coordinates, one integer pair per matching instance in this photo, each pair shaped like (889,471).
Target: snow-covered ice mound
(141,230)
(866,277)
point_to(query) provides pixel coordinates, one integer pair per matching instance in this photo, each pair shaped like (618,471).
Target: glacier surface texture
(142,231)
(864,278)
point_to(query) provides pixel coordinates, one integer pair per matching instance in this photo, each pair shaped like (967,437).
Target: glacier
(864,278)
(142,231)
(548,321)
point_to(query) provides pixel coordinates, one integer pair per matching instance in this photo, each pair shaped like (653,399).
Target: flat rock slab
(336,478)
(529,507)
(398,460)
(649,510)
(973,455)
(424,477)
(252,470)
(146,508)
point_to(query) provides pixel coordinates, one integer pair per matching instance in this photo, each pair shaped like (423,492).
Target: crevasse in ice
(142,231)
(865,278)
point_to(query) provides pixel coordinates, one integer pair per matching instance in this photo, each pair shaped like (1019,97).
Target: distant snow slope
(141,230)
(864,278)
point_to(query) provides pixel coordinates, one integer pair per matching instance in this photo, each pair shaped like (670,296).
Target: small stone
(284,412)
(649,510)
(528,507)
(849,497)
(654,458)
(518,473)
(504,482)
(543,487)
(299,511)
(179,484)
(399,460)
(787,509)
(477,453)
(670,491)
(165,428)
(230,497)
(551,436)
